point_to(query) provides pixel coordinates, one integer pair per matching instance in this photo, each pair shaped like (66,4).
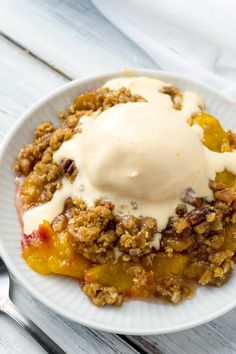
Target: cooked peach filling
(47,253)
(215,138)
(118,256)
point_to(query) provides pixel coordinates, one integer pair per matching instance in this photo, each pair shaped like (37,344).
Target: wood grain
(70,35)
(217,336)
(70,336)
(23,81)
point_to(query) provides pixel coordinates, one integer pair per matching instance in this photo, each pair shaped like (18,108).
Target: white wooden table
(44,44)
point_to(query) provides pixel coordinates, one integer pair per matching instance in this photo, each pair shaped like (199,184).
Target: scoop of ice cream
(141,151)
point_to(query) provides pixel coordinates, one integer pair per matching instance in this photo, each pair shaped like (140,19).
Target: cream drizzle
(150,90)
(82,188)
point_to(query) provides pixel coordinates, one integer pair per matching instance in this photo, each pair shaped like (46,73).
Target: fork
(7,307)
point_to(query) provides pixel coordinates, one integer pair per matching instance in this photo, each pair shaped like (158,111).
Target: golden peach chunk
(116,275)
(46,253)
(87,101)
(164,264)
(194,270)
(226,178)
(215,138)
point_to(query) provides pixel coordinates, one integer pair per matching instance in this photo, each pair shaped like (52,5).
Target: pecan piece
(192,198)
(68,166)
(197,216)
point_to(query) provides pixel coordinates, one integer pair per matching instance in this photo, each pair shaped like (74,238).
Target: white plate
(63,295)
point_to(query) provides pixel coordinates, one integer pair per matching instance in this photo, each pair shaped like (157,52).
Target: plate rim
(164,75)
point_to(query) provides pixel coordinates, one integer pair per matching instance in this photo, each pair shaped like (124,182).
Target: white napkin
(196,38)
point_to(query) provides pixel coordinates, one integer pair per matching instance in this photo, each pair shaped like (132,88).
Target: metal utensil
(7,306)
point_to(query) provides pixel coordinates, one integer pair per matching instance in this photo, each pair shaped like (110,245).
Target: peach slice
(215,138)
(46,253)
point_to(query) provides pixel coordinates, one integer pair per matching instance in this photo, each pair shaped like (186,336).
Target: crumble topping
(119,256)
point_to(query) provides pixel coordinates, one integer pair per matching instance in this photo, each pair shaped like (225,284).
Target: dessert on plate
(133,194)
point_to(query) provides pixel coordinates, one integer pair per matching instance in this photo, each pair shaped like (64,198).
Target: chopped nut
(211,217)
(182,225)
(181,209)
(176,297)
(202,228)
(197,216)
(68,166)
(191,198)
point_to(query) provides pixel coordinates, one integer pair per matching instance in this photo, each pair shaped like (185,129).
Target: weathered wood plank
(217,336)
(70,35)
(23,80)
(70,336)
